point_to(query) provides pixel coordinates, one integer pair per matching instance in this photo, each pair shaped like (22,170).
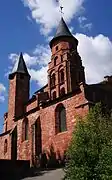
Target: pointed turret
(62,31)
(19,86)
(20,67)
(65,71)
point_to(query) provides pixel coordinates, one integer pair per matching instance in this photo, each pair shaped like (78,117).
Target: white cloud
(30,61)
(46,12)
(83,23)
(96,54)
(40,75)
(37,63)
(2,92)
(81,19)
(43,53)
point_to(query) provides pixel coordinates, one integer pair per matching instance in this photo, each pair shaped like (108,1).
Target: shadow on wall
(52,159)
(16,170)
(10,169)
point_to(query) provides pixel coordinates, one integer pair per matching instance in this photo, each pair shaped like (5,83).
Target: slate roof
(20,67)
(62,31)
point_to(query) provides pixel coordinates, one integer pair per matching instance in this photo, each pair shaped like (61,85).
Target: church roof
(20,66)
(62,31)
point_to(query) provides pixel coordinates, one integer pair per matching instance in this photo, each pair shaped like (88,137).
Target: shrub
(90,151)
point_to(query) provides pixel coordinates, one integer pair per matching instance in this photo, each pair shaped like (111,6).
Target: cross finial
(61,8)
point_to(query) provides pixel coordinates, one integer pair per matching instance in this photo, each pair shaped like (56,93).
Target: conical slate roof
(20,66)
(62,31)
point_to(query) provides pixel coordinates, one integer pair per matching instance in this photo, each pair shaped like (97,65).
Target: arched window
(61,58)
(25,130)
(55,59)
(56,48)
(71,46)
(61,76)
(60,119)
(62,91)
(52,80)
(54,95)
(5,126)
(5,146)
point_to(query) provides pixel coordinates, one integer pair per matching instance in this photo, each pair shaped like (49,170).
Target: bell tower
(65,70)
(19,81)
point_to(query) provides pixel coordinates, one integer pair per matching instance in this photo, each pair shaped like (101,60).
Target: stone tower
(65,70)
(19,81)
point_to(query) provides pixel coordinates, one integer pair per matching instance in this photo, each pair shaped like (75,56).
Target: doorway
(14,144)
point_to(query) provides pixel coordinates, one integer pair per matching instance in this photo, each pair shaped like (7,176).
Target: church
(44,123)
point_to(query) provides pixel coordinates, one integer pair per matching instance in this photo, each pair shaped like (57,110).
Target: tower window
(5,146)
(60,119)
(53,80)
(6,127)
(25,130)
(62,91)
(54,95)
(56,48)
(61,58)
(71,46)
(55,59)
(61,76)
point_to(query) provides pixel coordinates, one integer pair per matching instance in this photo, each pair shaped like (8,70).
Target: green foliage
(90,151)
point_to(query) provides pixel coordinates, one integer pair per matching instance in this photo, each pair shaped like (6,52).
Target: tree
(90,151)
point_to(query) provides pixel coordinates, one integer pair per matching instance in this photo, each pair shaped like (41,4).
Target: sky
(28,25)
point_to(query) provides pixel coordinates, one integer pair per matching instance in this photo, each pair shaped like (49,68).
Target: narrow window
(60,119)
(54,95)
(55,60)
(5,146)
(71,46)
(62,91)
(25,130)
(53,80)
(56,48)
(61,76)
(61,58)
(6,127)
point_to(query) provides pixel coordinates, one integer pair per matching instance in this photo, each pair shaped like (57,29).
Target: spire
(62,31)
(20,66)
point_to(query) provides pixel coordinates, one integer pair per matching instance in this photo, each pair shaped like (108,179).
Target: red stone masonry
(66,86)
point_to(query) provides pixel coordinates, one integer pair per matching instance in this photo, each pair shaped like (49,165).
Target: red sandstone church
(33,126)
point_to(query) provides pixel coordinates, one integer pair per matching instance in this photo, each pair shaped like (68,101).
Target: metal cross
(61,7)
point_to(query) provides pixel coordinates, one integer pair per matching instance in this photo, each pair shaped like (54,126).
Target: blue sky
(28,25)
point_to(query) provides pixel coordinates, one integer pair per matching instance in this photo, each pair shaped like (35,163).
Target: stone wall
(3,154)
